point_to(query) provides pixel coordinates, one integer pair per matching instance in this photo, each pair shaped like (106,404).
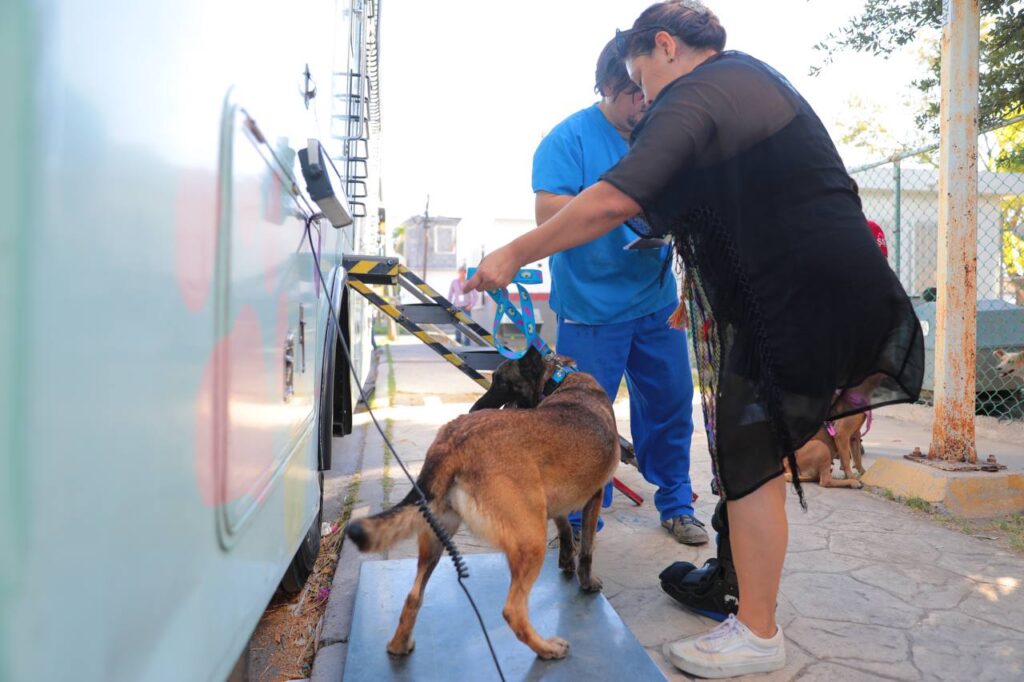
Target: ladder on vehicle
(434,309)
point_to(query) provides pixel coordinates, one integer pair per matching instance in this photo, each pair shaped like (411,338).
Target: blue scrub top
(597,282)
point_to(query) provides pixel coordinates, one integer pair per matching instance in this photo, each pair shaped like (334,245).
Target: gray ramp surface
(451,646)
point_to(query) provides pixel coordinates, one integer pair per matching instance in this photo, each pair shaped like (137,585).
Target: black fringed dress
(797,317)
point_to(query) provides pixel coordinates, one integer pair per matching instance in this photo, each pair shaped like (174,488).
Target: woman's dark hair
(611,78)
(688,20)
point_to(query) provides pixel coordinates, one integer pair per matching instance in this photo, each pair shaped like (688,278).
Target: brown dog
(814,459)
(505,473)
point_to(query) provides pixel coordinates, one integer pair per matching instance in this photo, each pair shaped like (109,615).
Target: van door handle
(289,367)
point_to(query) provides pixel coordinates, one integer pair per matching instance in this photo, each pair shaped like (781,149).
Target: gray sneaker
(686,529)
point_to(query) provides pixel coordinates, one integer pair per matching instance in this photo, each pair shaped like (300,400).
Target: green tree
(1006,157)
(888,25)
(862,128)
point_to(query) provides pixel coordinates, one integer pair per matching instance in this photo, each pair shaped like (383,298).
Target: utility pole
(957,277)
(426,236)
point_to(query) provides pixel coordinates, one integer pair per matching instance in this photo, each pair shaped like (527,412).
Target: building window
(443,239)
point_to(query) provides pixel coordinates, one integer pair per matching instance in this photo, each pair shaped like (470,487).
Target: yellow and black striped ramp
(373,269)
(443,302)
(395,314)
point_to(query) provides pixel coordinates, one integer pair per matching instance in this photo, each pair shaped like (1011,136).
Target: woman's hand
(597,210)
(496,271)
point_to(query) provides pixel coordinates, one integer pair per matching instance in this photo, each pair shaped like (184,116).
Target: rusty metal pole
(956,313)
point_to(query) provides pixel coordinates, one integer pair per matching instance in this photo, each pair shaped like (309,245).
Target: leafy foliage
(888,25)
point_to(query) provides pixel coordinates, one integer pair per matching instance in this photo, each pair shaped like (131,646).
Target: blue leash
(523,321)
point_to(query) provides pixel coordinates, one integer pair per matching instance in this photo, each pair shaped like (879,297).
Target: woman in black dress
(797,316)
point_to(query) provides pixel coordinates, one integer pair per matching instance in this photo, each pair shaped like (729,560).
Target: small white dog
(1009,363)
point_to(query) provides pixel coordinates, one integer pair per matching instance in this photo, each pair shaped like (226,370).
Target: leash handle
(524,321)
(524,276)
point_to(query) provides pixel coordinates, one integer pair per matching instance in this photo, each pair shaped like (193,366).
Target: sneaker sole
(692,542)
(713,615)
(717,672)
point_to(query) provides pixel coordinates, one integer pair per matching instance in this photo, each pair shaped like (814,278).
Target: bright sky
(470,86)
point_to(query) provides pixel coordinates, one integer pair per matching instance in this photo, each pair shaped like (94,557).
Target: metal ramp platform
(450,645)
(433,309)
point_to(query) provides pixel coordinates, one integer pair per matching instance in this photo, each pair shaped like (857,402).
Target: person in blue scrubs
(613,304)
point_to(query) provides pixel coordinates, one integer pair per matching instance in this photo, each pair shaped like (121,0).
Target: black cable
(461,570)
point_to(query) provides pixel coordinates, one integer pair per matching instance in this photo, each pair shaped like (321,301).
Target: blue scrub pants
(657,368)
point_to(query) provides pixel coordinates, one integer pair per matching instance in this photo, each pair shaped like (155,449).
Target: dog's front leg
(566,548)
(588,581)
(842,439)
(825,479)
(857,450)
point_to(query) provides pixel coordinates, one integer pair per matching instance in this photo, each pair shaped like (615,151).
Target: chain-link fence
(901,195)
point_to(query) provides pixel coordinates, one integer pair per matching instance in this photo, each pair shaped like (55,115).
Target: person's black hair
(688,20)
(611,79)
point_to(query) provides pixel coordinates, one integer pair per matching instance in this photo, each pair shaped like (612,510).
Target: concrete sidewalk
(870,590)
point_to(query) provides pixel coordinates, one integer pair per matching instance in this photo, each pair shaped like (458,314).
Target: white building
(915,245)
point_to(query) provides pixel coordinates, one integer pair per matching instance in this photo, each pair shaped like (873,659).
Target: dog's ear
(999,353)
(531,365)
(497,396)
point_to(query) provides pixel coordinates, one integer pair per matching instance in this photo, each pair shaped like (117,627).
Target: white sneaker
(729,650)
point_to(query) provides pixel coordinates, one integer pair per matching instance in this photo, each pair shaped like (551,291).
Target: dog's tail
(381,531)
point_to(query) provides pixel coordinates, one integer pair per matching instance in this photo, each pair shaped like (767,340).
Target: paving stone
(655,619)
(611,587)
(807,539)
(925,586)
(826,639)
(948,645)
(883,547)
(873,521)
(817,513)
(899,670)
(973,566)
(841,598)
(833,672)
(1002,604)
(1007,571)
(868,648)
(822,561)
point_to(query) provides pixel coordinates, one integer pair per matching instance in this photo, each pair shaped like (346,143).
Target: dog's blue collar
(561,372)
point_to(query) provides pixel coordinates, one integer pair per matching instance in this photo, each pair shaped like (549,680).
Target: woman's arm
(594,212)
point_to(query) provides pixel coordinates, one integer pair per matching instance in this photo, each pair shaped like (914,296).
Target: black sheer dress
(796,316)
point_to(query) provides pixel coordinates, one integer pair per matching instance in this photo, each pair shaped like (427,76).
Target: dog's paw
(568,564)
(554,647)
(591,584)
(856,485)
(396,648)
